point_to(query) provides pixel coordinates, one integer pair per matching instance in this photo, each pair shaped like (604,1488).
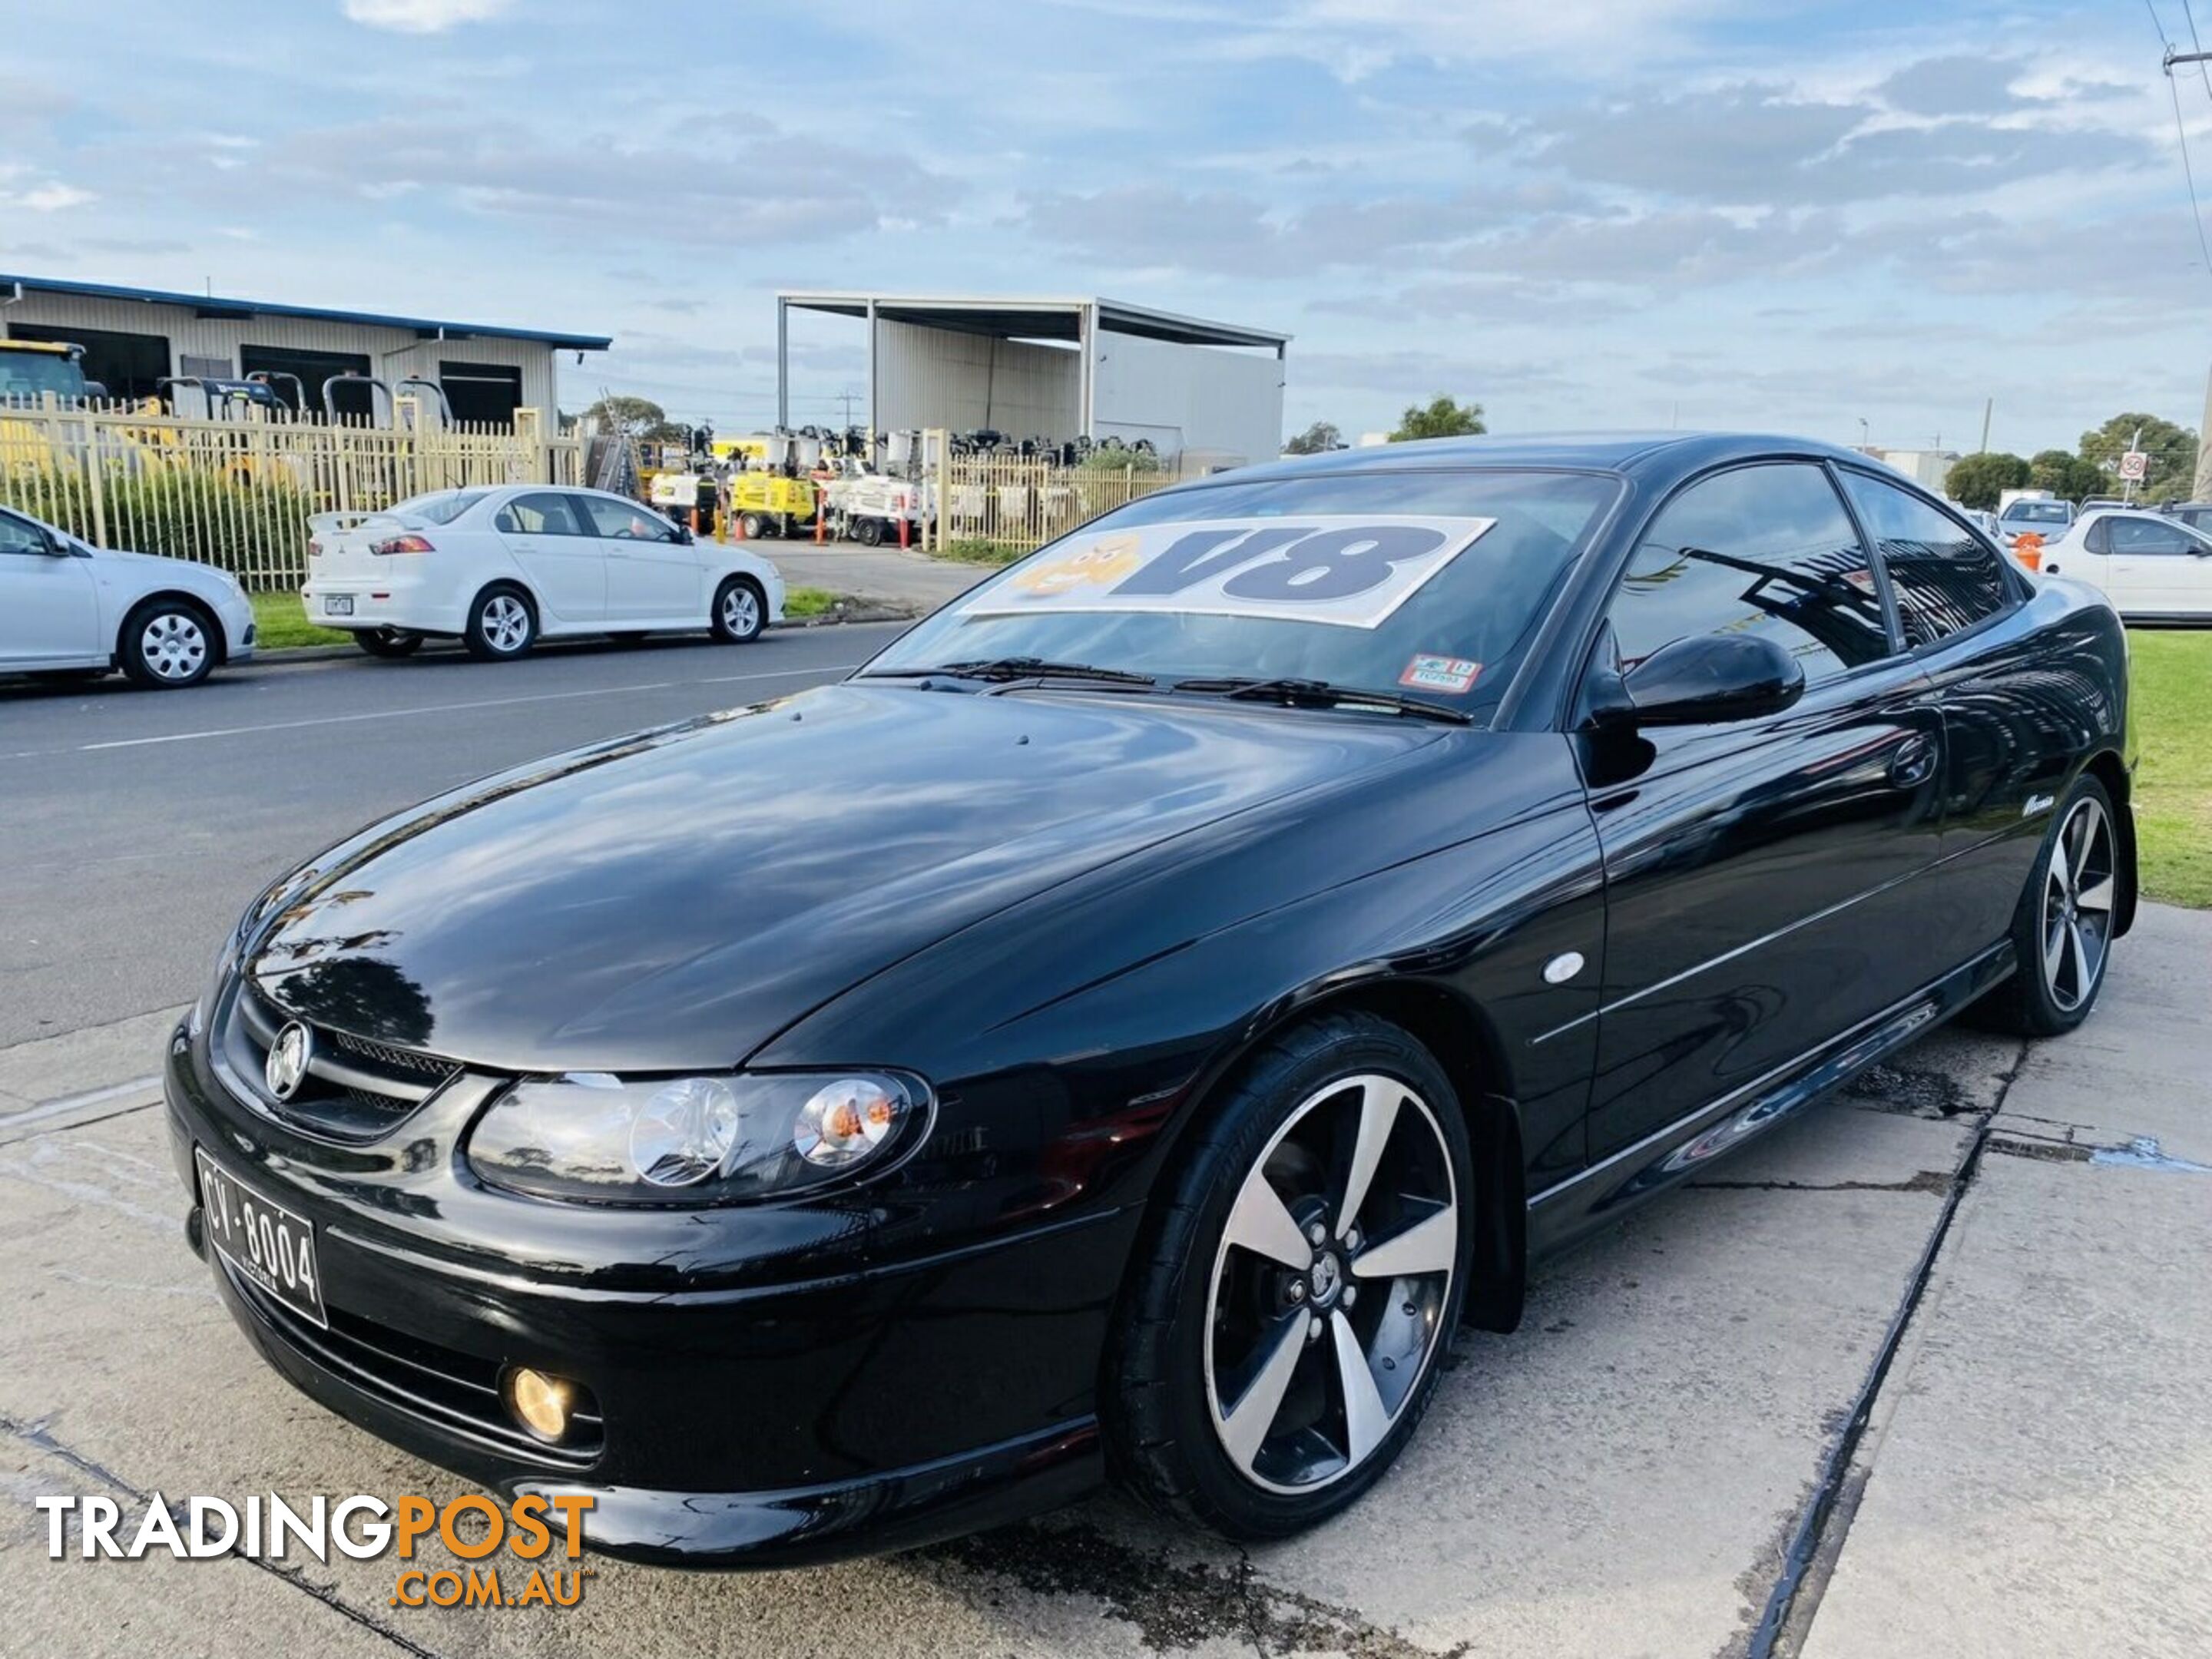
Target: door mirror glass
(1708,678)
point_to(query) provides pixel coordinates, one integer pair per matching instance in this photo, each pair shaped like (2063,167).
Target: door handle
(2052,568)
(1913,763)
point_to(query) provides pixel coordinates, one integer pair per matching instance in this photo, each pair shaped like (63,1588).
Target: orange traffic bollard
(821,515)
(903,532)
(740,518)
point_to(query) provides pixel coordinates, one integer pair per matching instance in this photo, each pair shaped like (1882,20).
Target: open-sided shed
(1057,369)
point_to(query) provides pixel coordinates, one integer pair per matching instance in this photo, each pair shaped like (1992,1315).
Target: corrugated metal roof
(219,305)
(1046,318)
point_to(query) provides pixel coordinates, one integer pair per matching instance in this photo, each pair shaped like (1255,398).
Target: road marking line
(430,708)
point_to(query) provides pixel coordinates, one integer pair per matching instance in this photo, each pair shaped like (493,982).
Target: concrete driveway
(1937,1356)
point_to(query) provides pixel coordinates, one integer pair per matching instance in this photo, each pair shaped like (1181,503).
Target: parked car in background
(501,568)
(2197,515)
(1286,907)
(2095,502)
(67,607)
(2044,515)
(2152,569)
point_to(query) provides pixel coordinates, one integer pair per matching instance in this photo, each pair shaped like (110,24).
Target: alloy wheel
(740,611)
(506,624)
(1330,1283)
(173,646)
(2078,892)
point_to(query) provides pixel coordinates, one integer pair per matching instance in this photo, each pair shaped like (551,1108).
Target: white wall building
(135,337)
(1058,369)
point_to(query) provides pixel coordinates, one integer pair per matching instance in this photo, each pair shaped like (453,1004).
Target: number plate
(337,605)
(265,1242)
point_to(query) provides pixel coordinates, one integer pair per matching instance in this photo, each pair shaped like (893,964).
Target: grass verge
(2173,785)
(280,622)
(971,551)
(807,601)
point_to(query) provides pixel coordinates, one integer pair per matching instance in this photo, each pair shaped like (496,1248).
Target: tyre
(388,642)
(1280,1338)
(168,643)
(754,525)
(869,533)
(740,611)
(502,624)
(2062,935)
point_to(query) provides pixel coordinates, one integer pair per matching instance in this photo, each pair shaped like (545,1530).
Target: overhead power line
(2181,127)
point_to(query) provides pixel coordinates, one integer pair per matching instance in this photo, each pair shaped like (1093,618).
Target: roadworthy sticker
(1349,569)
(1440,673)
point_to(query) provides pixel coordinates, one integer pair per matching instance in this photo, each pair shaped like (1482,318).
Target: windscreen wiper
(1017,668)
(1322,693)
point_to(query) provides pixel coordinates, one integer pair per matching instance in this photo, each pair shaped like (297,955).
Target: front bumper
(743,1419)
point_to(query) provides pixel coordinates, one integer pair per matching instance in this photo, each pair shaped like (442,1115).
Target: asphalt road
(136,825)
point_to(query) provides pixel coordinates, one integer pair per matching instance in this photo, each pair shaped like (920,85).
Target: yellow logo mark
(1098,564)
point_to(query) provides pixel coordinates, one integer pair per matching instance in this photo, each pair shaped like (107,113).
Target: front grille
(356,1088)
(456,1391)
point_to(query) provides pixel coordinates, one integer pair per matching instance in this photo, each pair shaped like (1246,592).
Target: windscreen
(1427,585)
(2038,513)
(31,374)
(440,507)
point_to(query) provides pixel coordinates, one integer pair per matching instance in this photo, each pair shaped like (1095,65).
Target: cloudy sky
(1785,214)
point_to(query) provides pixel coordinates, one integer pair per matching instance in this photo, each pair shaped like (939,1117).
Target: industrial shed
(1057,369)
(134,338)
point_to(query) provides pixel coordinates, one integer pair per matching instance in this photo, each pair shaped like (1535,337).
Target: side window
(1945,577)
(1766,549)
(622,521)
(21,535)
(542,514)
(2134,535)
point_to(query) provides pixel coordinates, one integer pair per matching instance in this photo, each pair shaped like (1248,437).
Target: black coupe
(1126,1026)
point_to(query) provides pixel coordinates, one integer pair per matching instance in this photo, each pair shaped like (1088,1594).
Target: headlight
(693,1139)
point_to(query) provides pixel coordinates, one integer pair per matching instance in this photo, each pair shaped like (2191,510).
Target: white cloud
(422,16)
(50,198)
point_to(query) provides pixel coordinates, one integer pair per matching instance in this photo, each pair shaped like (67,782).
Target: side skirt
(1603,1193)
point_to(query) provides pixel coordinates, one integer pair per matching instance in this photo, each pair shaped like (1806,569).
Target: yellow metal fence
(1017,505)
(238,493)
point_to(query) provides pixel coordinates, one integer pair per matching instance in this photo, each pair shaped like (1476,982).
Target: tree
(2067,475)
(2172,449)
(1977,480)
(1442,417)
(1316,440)
(634,417)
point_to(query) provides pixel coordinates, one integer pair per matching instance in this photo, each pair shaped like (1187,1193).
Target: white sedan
(69,608)
(501,568)
(2152,569)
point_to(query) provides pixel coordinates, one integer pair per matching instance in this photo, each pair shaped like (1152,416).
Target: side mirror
(58,545)
(1708,678)
(683,537)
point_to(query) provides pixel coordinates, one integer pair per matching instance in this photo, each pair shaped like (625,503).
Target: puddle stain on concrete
(2143,1152)
(1175,1605)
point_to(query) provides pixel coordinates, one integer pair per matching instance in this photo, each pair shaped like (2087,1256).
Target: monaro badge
(286,1067)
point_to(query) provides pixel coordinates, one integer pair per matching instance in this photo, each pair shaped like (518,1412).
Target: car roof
(1585,451)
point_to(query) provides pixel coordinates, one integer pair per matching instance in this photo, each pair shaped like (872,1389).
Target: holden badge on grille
(286,1068)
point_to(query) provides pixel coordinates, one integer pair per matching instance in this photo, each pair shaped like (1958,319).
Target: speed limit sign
(2133,465)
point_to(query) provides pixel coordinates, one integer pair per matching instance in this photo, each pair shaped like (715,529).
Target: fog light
(540,1402)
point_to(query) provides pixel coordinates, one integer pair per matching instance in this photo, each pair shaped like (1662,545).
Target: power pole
(1988,405)
(2200,488)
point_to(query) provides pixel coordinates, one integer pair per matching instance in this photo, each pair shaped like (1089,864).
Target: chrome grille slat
(360,1088)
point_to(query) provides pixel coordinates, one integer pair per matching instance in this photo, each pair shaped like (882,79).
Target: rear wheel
(503,626)
(168,644)
(2062,935)
(1280,1342)
(869,532)
(754,525)
(388,642)
(740,611)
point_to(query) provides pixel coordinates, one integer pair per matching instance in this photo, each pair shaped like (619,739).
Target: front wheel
(501,625)
(168,644)
(740,612)
(869,532)
(389,642)
(1280,1339)
(2062,933)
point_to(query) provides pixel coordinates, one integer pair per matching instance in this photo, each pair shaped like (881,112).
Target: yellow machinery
(769,504)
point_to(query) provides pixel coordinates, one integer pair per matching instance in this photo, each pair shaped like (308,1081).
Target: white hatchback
(2152,569)
(501,568)
(69,608)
